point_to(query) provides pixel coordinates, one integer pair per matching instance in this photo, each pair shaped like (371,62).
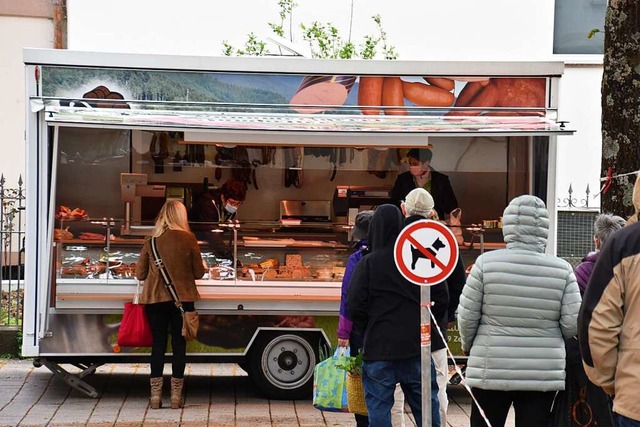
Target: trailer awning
(279,126)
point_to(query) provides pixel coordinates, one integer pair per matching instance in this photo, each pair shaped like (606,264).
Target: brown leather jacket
(180,253)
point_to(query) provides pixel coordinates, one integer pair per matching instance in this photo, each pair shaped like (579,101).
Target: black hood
(385,227)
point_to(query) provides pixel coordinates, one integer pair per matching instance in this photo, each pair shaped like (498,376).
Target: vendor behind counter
(217,206)
(422,175)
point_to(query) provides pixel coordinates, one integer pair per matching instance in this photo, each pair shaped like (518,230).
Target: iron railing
(12,249)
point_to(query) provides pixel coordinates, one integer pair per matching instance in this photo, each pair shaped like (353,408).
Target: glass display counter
(258,261)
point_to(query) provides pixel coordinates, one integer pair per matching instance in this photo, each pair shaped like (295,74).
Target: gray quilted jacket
(516,307)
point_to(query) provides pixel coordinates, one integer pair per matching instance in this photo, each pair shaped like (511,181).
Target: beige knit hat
(419,202)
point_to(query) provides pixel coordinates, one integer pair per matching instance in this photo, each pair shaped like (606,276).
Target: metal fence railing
(12,247)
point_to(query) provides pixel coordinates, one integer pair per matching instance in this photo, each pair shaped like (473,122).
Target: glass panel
(87,192)
(293,216)
(86,255)
(477,120)
(573,21)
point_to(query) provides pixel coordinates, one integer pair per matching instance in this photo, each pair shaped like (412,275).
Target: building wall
(579,155)
(22,24)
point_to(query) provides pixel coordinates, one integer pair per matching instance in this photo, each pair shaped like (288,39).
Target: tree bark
(621,103)
(59,24)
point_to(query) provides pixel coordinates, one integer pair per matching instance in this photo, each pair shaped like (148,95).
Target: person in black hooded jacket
(386,306)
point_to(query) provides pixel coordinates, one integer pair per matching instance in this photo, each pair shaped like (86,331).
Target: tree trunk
(59,24)
(621,103)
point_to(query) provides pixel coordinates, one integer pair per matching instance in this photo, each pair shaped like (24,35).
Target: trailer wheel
(282,365)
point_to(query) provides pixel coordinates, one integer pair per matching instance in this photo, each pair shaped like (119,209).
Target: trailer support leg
(73,380)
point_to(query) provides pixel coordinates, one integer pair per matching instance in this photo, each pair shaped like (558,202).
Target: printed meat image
(393,91)
(319,91)
(502,92)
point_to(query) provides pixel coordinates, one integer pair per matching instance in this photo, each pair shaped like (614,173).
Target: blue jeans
(380,378)
(622,421)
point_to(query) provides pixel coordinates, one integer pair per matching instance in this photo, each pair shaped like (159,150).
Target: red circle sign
(426,252)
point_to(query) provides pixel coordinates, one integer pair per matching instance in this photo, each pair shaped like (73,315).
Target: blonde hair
(172,216)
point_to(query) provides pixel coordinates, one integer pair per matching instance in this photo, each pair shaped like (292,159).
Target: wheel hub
(288,361)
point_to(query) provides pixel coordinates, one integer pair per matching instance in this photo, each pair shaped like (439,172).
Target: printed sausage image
(442,83)
(370,94)
(503,92)
(426,95)
(393,95)
(468,92)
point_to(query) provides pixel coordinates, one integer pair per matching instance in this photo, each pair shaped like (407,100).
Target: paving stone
(219,395)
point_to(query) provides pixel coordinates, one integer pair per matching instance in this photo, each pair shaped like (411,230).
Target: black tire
(281,365)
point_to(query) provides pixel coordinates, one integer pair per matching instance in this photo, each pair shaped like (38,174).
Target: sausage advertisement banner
(304,94)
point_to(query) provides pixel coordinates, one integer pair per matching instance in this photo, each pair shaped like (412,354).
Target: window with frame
(573,21)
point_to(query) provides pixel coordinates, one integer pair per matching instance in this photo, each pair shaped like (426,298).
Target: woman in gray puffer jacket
(516,307)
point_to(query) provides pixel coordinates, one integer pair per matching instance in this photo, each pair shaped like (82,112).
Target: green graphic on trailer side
(232,334)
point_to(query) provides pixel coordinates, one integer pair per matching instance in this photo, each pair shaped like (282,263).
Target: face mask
(415,170)
(231,209)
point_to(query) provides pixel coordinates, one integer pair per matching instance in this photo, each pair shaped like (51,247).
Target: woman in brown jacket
(180,254)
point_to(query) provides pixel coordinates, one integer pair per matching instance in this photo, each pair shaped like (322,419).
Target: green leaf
(593,32)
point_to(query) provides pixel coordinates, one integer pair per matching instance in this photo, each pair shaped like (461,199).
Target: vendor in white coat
(516,307)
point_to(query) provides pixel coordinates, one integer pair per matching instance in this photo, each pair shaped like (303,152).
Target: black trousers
(532,408)
(164,317)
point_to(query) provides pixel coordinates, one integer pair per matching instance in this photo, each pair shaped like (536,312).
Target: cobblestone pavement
(217,395)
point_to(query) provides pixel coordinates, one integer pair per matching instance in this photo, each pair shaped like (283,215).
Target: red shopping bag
(135,330)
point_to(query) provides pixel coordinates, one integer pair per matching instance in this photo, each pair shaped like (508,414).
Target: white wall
(455,29)
(579,155)
(16,33)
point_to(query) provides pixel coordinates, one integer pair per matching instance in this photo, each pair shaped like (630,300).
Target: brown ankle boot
(177,399)
(156,393)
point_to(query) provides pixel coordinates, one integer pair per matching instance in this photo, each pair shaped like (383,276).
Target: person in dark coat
(422,175)
(213,207)
(386,306)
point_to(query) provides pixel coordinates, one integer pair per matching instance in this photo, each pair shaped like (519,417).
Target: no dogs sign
(426,252)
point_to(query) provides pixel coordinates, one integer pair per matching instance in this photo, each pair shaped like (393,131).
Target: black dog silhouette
(416,254)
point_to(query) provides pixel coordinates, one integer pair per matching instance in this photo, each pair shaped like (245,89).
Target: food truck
(111,137)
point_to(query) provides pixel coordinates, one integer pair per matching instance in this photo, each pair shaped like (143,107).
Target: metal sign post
(426,253)
(425,353)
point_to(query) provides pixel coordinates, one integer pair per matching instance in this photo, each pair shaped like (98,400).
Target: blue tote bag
(330,383)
